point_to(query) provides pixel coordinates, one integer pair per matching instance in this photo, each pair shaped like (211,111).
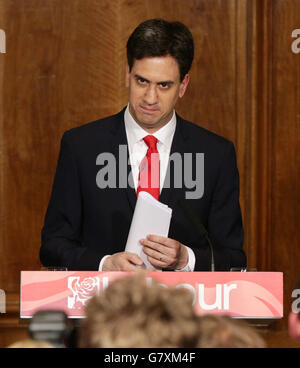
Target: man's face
(154,87)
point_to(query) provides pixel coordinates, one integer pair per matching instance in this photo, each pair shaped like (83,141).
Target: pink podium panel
(238,294)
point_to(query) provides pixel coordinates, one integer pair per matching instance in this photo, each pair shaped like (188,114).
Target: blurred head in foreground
(132,314)
(30,343)
(294,325)
(218,331)
(294,315)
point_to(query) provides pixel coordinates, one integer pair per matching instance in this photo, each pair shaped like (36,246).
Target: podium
(248,295)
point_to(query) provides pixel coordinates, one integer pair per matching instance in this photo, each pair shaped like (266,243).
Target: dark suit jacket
(83,222)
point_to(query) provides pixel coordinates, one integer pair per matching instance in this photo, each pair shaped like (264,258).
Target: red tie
(149,176)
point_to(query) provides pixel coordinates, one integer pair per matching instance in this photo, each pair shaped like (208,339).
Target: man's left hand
(164,252)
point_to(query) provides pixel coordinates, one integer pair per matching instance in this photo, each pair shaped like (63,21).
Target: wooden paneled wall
(65,66)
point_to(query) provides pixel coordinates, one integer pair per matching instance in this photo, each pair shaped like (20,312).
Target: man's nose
(150,96)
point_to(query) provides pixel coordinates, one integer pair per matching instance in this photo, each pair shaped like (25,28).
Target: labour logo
(82,290)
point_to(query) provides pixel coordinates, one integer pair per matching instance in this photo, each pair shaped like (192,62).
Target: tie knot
(151,141)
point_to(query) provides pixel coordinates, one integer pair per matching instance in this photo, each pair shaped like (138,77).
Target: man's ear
(183,85)
(127,76)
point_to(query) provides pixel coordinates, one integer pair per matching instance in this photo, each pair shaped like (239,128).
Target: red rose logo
(83,291)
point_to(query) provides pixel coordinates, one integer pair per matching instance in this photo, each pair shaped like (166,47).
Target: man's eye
(141,81)
(164,85)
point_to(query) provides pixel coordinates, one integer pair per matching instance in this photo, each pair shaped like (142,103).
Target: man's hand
(123,261)
(164,252)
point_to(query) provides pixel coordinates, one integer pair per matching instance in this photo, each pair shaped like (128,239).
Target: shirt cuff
(190,266)
(101,262)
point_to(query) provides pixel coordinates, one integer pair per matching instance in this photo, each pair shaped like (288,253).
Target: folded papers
(150,217)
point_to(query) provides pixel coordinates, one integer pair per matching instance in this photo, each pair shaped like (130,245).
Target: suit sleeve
(62,232)
(225,226)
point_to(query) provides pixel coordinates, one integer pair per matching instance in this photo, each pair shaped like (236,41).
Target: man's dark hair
(157,37)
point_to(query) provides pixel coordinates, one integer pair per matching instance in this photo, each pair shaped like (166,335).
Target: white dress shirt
(137,151)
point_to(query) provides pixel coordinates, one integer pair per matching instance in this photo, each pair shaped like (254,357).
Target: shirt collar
(135,133)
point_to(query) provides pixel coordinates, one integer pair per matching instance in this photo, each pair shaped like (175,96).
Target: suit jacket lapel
(121,153)
(169,194)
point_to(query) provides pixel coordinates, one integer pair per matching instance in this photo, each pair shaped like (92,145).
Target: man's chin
(150,125)
(147,122)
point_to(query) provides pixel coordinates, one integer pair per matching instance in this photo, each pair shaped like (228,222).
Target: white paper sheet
(150,217)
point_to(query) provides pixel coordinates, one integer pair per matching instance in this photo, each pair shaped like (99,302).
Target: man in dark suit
(92,204)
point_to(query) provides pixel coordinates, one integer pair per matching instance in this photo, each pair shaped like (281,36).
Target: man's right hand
(123,261)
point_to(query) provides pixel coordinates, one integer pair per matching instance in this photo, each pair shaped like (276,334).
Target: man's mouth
(149,110)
